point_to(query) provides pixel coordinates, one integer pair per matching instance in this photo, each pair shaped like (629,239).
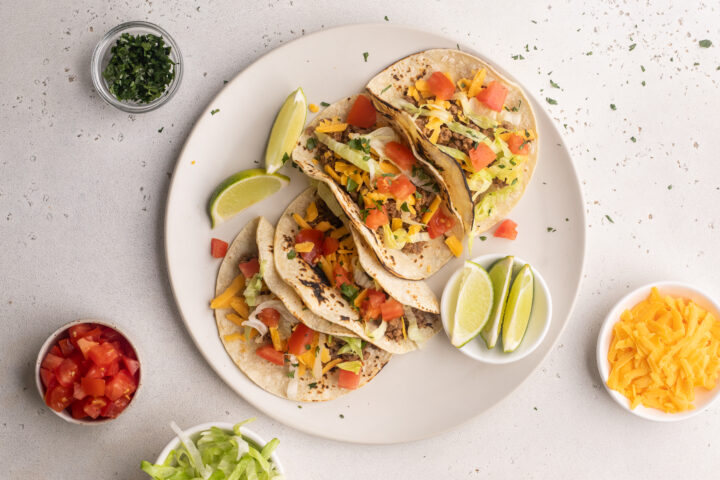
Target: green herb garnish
(404,207)
(613,107)
(285,158)
(609,219)
(214,111)
(140,68)
(360,143)
(632,47)
(705,43)
(551,101)
(311,143)
(386,88)
(553,84)
(349,292)
(312,385)
(365,56)
(291,254)
(352,185)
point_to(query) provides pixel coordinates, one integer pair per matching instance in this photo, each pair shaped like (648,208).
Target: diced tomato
(401,155)
(441,86)
(120,385)
(113,409)
(348,380)
(440,223)
(77,411)
(518,145)
(59,398)
(85,346)
(218,248)
(507,229)
(401,188)
(93,406)
(300,340)
(131,364)
(383,185)
(78,391)
(94,334)
(66,347)
(270,317)
(96,372)
(376,218)
(67,372)
(481,156)
(493,96)
(93,386)
(51,362)
(330,245)
(113,368)
(391,309)
(55,350)
(78,331)
(342,276)
(46,376)
(103,355)
(269,353)
(250,268)
(371,305)
(362,113)
(112,335)
(314,236)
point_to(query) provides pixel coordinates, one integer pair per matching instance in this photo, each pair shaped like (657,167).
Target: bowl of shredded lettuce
(216,451)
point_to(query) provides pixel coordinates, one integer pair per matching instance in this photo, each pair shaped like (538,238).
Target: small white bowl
(703,398)
(538,325)
(52,339)
(194,433)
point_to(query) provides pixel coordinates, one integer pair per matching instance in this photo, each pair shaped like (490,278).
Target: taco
(395,200)
(475,127)
(271,341)
(337,276)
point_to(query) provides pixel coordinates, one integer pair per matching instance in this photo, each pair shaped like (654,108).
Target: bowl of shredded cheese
(658,351)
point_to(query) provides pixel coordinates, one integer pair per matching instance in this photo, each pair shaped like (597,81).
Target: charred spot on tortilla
(317,289)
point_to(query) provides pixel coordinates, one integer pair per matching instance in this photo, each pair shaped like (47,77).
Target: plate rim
(466,48)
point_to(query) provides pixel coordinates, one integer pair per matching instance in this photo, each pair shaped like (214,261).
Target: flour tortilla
(268,376)
(406,72)
(412,266)
(326,301)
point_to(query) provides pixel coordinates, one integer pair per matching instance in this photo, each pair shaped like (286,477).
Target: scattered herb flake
(291,254)
(669,187)
(553,84)
(214,111)
(482,238)
(609,219)
(312,385)
(161,129)
(291,374)
(642,68)
(325,104)
(386,18)
(551,229)
(285,158)
(643,83)
(613,107)
(341,415)
(705,43)
(632,47)
(589,53)
(551,101)
(386,88)
(365,56)
(518,57)
(633,139)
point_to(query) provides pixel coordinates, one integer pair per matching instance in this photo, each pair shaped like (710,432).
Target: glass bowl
(101,56)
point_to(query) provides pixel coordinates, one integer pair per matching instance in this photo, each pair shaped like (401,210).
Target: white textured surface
(83,186)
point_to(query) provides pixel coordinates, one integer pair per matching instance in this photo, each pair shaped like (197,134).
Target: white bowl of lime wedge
(497,325)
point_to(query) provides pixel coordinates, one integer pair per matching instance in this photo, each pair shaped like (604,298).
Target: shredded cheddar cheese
(323,226)
(313,108)
(477,83)
(235,319)
(223,300)
(332,173)
(304,247)
(311,213)
(331,126)
(240,306)
(331,365)
(300,221)
(233,337)
(276,341)
(432,209)
(661,350)
(454,245)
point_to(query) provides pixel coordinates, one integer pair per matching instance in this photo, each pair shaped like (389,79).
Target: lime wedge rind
(239,191)
(473,305)
(518,309)
(501,274)
(286,130)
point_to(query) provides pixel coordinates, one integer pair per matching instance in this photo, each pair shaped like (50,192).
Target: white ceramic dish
(194,433)
(49,344)
(329,65)
(703,398)
(538,326)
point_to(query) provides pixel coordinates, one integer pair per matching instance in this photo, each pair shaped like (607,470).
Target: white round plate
(419,394)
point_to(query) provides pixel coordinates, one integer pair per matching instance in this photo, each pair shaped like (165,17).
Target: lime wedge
(286,130)
(241,190)
(500,276)
(517,310)
(474,303)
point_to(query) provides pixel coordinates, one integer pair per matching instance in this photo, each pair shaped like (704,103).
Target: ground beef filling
(394,329)
(424,319)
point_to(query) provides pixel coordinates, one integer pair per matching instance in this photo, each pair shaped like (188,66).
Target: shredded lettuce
(377,139)
(352,345)
(358,158)
(468,132)
(413,331)
(377,332)
(488,203)
(470,110)
(427,110)
(254,285)
(355,366)
(458,155)
(216,454)
(390,240)
(328,197)
(480,181)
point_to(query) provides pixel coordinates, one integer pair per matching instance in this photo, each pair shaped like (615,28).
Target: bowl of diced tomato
(88,372)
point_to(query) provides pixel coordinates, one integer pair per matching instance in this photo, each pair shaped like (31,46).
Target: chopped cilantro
(291,374)
(291,254)
(214,111)
(364,213)
(349,292)
(311,143)
(312,385)
(360,143)
(705,43)
(307,346)
(386,88)
(404,207)
(365,56)
(351,185)
(551,101)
